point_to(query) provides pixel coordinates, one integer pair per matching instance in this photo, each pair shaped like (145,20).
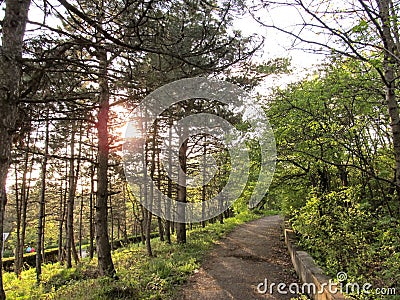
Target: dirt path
(253,252)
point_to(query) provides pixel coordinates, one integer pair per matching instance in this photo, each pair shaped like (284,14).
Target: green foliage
(250,75)
(338,229)
(343,235)
(335,172)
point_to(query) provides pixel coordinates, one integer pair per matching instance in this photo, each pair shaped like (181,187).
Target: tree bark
(142,225)
(390,64)
(159,220)
(125,233)
(111,227)
(105,263)
(181,197)
(71,200)
(80,225)
(169,188)
(3,202)
(91,227)
(13,30)
(203,189)
(147,198)
(61,215)
(40,229)
(148,216)
(22,209)
(18,205)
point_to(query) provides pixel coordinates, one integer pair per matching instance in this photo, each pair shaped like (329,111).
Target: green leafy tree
(366,31)
(334,172)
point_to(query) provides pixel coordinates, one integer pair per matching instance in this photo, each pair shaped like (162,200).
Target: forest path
(233,269)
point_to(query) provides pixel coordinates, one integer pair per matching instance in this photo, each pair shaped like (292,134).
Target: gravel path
(249,255)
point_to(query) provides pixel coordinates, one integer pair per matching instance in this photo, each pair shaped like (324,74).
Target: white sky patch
(278,44)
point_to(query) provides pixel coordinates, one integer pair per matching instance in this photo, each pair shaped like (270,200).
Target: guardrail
(308,270)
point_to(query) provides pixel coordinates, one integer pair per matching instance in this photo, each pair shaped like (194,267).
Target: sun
(123,125)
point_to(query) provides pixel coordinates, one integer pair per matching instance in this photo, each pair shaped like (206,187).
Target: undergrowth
(343,234)
(140,276)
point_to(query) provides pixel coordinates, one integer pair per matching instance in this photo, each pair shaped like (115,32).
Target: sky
(278,44)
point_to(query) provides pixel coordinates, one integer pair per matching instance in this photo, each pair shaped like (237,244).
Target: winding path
(249,255)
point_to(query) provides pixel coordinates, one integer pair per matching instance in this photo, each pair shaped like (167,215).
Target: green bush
(343,235)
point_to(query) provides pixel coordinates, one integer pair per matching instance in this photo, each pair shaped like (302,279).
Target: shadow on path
(249,255)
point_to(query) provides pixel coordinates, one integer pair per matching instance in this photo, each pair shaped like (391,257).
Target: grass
(140,276)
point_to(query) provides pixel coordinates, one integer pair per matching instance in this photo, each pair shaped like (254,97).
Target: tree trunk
(61,214)
(125,215)
(22,209)
(145,189)
(74,250)
(142,220)
(40,229)
(148,217)
(203,189)
(62,222)
(70,202)
(13,30)
(80,225)
(147,213)
(18,206)
(3,202)
(169,188)
(105,263)
(390,64)
(111,227)
(118,229)
(159,220)
(91,229)
(221,218)
(181,197)
(43,233)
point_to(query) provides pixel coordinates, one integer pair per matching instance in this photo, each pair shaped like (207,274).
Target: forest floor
(251,254)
